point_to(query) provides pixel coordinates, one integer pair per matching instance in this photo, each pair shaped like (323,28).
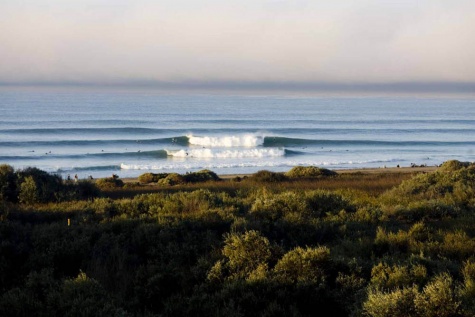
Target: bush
(201,176)
(309,171)
(268,177)
(247,254)
(148,178)
(8,188)
(385,277)
(467,291)
(84,296)
(301,265)
(396,303)
(322,202)
(48,187)
(438,298)
(28,191)
(453,165)
(109,183)
(171,180)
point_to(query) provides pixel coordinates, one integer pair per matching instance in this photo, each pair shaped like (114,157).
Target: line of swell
(89,168)
(290,142)
(143,154)
(82,130)
(181,140)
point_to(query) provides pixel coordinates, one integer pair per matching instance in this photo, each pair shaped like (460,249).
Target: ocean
(98,134)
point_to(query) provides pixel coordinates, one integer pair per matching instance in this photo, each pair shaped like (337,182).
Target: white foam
(209,153)
(246,140)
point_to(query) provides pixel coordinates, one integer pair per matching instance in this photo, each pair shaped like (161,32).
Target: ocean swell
(209,153)
(247,140)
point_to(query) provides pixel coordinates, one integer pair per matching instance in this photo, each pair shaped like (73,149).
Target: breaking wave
(247,140)
(209,153)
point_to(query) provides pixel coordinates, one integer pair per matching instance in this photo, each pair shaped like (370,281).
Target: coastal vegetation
(301,243)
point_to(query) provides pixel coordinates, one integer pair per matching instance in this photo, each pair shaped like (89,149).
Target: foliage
(309,171)
(7,183)
(246,248)
(151,177)
(396,303)
(309,265)
(200,176)
(171,180)
(438,298)
(268,177)
(109,183)
(247,254)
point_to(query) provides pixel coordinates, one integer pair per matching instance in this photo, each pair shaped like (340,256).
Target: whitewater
(128,133)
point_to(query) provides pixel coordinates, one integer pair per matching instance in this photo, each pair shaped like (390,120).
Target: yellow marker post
(69,222)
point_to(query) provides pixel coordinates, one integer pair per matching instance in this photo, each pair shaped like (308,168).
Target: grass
(374,183)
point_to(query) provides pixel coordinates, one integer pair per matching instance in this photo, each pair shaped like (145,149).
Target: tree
(28,191)
(7,183)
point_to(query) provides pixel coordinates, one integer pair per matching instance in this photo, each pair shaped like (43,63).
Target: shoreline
(379,170)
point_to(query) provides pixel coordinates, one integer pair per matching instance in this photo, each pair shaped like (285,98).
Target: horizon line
(242,85)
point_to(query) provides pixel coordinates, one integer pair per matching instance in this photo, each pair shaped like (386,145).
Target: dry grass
(374,183)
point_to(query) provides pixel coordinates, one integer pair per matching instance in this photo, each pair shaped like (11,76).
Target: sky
(270,44)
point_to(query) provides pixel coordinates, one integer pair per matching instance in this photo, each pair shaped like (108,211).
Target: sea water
(129,133)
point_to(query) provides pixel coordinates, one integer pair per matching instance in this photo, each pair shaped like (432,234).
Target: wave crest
(247,140)
(208,153)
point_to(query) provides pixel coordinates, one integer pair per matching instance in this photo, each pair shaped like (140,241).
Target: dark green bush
(171,180)
(36,185)
(109,183)
(201,176)
(8,183)
(148,178)
(268,177)
(309,171)
(309,265)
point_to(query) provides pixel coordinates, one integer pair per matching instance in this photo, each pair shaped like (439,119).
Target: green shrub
(48,187)
(385,277)
(395,303)
(301,265)
(323,202)
(309,171)
(84,296)
(389,242)
(268,177)
(201,176)
(148,178)
(457,245)
(171,180)
(246,253)
(453,184)
(28,191)
(438,298)
(453,165)
(275,206)
(8,188)
(109,183)
(467,291)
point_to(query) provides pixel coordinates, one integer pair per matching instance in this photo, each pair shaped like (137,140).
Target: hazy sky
(245,42)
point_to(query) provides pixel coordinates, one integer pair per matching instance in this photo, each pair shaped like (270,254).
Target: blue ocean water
(130,133)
